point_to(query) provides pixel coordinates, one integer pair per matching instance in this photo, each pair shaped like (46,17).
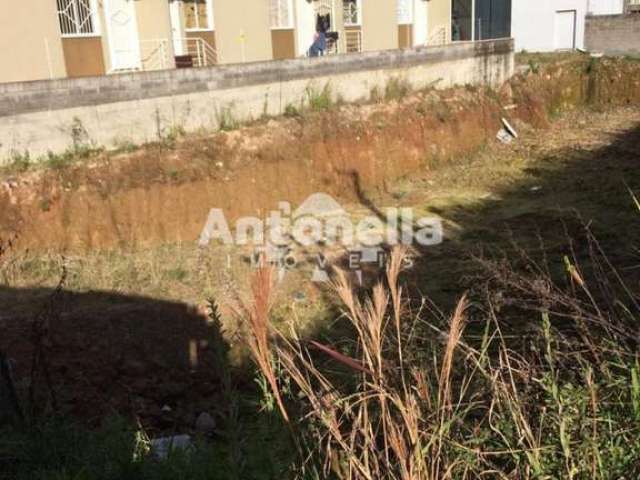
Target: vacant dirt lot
(130,332)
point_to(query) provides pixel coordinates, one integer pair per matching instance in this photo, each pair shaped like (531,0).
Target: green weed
(319,100)
(396,88)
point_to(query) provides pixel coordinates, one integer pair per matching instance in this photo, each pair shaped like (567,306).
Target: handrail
(154,54)
(203,54)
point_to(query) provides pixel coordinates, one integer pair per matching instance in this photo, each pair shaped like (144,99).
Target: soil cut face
(163,193)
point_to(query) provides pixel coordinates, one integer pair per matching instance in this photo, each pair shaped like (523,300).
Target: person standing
(319,44)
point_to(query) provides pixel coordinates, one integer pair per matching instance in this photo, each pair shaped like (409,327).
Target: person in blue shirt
(319,44)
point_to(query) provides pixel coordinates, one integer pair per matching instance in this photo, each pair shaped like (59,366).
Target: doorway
(122,28)
(565,30)
(420,21)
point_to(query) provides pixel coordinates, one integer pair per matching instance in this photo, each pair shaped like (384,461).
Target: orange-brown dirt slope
(163,192)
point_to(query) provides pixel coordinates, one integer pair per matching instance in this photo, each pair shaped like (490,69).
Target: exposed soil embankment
(163,193)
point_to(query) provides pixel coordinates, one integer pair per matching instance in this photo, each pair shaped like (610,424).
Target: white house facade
(548,25)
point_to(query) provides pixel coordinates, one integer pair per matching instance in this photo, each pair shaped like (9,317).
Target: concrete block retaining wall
(109,111)
(613,34)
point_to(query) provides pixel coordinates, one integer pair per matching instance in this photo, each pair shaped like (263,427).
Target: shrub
(397,89)
(319,100)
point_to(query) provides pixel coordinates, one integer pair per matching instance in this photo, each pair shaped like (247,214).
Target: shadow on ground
(544,215)
(114,354)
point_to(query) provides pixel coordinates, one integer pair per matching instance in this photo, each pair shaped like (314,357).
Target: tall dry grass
(257,315)
(419,396)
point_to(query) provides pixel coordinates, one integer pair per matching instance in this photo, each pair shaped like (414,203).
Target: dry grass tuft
(256,313)
(425,397)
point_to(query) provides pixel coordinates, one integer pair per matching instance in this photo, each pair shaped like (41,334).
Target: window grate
(281,13)
(351,12)
(405,12)
(198,15)
(77,17)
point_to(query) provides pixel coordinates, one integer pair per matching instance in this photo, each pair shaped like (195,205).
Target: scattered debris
(512,106)
(166,409)
(504,136)
(161,447)
(507,133)
(509,128)
(536,188)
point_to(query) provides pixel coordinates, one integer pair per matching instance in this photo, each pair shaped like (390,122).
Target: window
(405,12)
(461,22)
(77,17)
(281,13)
(351,9)
(198,15)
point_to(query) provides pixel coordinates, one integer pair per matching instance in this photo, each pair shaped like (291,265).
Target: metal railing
(77,17)
(155,55)
(201,52)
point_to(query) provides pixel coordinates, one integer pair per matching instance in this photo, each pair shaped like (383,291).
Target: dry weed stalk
(384,427)
(433,405)
(257,315)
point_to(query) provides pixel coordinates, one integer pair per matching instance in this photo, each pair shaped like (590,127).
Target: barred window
(281,13)
(198,15)
(405,12)
(351,12)
(77,17)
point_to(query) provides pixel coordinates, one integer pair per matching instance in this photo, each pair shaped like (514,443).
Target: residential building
(480,19)
(551,25)
(613,7)
(548,25)
(72,38)
(605,7)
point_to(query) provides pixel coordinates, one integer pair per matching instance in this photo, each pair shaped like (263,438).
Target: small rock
(205,423)
(166,409)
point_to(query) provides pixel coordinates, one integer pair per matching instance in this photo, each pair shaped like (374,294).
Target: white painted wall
(305,26)
(533,23)
(110,123)
(420,23)
(605,7)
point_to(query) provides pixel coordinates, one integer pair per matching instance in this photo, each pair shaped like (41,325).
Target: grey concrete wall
(40,116)
(613,34)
